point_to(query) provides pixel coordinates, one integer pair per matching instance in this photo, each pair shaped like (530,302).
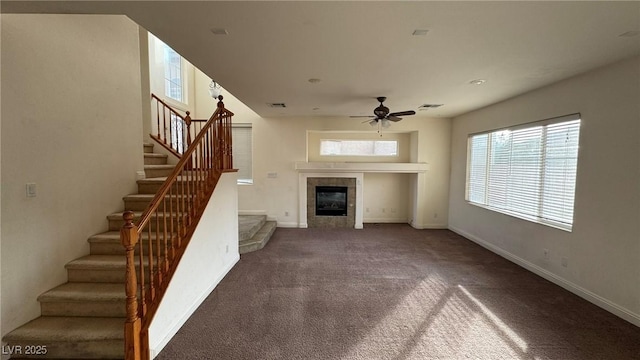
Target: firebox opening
(331,201)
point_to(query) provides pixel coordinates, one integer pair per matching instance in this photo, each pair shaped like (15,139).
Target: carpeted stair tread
(155,155)
(114,236)
(260,239)
(165,166)
(81,292)
(249,225)
(98,262)
(47,329)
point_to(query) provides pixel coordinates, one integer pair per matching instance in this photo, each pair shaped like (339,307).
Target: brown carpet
(393,292)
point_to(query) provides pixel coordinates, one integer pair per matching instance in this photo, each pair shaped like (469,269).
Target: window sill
(533,219)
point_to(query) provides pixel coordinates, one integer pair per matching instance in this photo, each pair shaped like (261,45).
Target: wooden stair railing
(169,222)
(173,130)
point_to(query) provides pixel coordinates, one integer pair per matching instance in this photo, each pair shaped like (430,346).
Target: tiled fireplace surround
(314,220)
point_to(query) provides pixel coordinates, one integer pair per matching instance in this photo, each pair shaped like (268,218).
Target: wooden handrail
(178,129)
(169,222)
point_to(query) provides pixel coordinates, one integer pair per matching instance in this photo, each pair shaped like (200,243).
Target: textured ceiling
(361,50)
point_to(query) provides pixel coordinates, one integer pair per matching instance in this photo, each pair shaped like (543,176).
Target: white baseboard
(429,226)
(252,212)
(303,225)
(191,309)
(386,220)
(593,298)
(287,224)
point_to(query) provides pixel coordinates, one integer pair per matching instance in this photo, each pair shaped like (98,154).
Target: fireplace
(331,201)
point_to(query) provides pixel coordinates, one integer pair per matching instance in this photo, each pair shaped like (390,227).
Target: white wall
(212,252)
(603,251)
(72,125)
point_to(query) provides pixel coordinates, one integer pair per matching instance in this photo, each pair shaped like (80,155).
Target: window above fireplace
(358,147)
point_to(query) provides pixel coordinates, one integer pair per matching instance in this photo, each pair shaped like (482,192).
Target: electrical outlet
(435,215)
(384,210)
(31,190)
(286,213)
(565,262)
(546,253)
(367,209)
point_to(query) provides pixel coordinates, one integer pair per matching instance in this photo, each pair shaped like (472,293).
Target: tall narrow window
(242,157)
(172,74)
(527,171)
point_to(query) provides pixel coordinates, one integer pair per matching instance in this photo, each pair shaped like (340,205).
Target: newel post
(132,326)
(187,121)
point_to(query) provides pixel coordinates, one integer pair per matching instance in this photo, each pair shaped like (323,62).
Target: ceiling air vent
(277,105)
(429,106)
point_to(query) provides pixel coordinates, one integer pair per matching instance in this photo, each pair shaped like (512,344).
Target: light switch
(31,189)
(272,175)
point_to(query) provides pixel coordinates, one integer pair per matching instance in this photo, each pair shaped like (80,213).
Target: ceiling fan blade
(403,113)
(362,116)
(366,121)
(393,118)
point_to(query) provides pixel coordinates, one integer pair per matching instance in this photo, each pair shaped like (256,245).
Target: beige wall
(279,143)
(72,125)
(603,251)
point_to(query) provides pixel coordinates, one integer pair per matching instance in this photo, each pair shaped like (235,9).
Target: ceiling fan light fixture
(373,122)
(385,123)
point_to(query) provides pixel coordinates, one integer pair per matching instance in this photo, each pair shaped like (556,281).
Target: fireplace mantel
(363,167)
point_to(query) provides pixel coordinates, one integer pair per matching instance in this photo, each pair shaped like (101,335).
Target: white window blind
(527,171)
(242,158)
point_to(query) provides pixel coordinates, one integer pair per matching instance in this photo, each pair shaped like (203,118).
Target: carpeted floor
(393,292)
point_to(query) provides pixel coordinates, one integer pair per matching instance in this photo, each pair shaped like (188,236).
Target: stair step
(151,185)
(108,243)
(116,221)
(141,201)
(248,225)
(71,337)
(100,268)
(259,239)
(84,299)
(153,171)
(148,148)
(155,159)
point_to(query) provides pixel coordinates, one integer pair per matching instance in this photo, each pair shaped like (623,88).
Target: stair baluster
(129,238)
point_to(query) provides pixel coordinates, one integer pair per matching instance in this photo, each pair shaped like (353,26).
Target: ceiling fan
(382,117)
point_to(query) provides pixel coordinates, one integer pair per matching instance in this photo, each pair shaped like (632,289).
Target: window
(172,74)
(358,147)
(242,159)
(527,171)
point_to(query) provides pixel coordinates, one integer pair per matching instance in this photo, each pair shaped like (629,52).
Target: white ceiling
(361,50)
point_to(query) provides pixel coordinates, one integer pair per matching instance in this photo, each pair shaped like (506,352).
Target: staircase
(84,318)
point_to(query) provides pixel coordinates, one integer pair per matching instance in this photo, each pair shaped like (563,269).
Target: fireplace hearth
(331,201)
